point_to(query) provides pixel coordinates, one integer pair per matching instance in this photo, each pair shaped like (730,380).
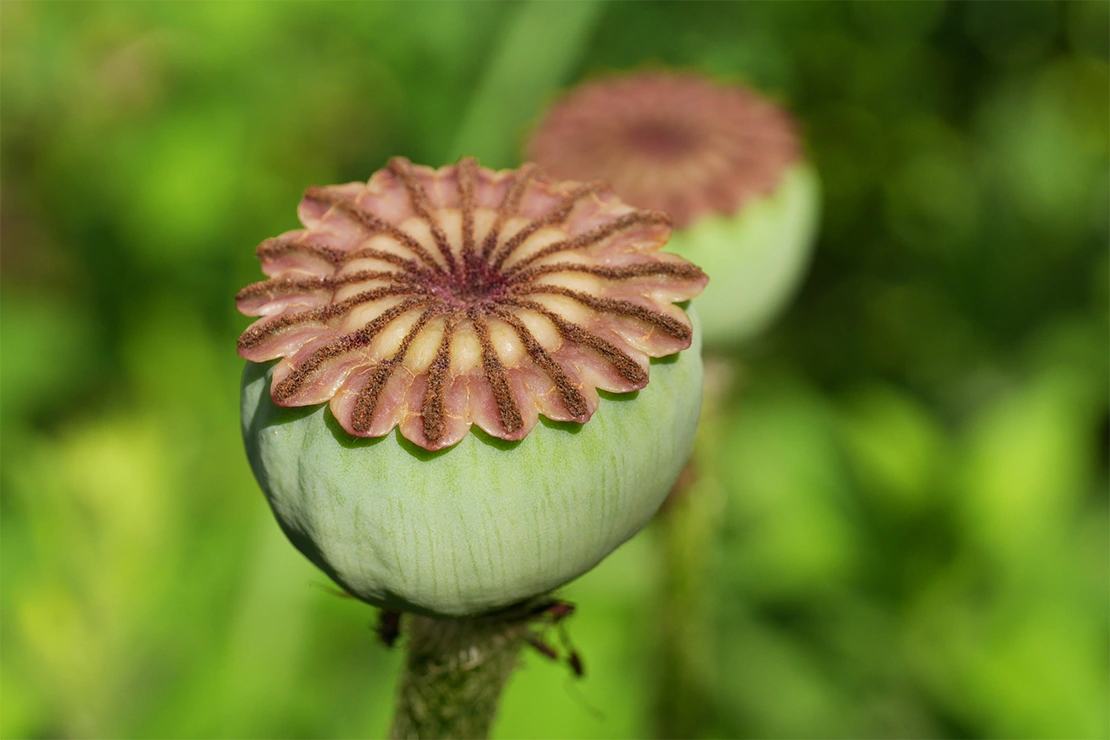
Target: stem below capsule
(455,670)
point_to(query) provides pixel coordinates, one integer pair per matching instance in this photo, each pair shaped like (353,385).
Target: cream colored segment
(388,244)
(506,343)
(419,230)
(351,290)
(512,225)
(544,237)
(450,220)
(466,350)
(545,332)
(483,222)
(424,347)
(637,338)
(361,315)
(579,281)
(367,263)
(568,308)
(641,335)
(389,339)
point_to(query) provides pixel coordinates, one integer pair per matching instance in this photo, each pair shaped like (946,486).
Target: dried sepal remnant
(431,300)
(674,142)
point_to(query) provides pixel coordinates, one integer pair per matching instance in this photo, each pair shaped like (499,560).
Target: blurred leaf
(791,532)
(102,555)
(531,59)
(1045,151)
(1012,32)
(1026,467)
(898,450)
(44,339)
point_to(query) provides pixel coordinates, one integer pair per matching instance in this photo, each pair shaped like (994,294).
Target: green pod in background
(757,257)
(723,161)
(485,523)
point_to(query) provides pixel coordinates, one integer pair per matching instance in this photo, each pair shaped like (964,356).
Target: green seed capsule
(723,161)
(460,415)
(485,523)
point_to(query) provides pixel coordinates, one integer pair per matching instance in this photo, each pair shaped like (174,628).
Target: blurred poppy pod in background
(724,162)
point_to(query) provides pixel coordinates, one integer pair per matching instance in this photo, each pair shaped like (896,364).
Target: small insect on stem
(559,610)
(389,626)
(553,613)
(576,664)
(542,647)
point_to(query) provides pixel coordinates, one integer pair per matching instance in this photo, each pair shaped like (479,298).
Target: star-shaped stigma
(431,300)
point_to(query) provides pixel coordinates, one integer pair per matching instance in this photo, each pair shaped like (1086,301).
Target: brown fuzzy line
(465,175)
(258,333)
(556,216)
(366,405)
(614,306)
(403,170)
(511,418)
(289,387)
(275,287)
(572,397)
(629,369)
(595,235)
(410,266)
(677,270)
(278,246)
(509,206)
(433,413)
(370,222)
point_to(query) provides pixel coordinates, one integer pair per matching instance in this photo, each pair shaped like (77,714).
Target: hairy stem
(455,670)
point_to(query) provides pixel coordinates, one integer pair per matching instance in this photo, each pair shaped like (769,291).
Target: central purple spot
(476,284)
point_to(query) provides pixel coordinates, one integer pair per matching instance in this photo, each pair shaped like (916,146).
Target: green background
(913,540)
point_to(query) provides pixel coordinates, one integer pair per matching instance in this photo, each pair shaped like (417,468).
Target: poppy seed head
(431,300)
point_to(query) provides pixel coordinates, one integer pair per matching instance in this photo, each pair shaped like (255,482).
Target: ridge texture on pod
(485,523)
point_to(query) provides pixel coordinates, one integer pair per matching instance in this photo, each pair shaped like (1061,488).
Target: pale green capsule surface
(485,523)
(756,259)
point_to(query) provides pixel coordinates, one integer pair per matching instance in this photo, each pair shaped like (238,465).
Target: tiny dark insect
(576,664)
(552,613)
(542,647)
(559,611)
(389,626)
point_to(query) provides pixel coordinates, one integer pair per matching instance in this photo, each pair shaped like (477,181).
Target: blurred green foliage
(915,535)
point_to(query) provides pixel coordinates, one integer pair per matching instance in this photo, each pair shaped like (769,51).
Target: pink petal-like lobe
(432,300)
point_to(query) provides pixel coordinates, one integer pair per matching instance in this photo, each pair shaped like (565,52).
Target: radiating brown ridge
(431,300)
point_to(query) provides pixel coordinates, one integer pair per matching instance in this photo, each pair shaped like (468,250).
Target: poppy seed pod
(725,163)
(425,302)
